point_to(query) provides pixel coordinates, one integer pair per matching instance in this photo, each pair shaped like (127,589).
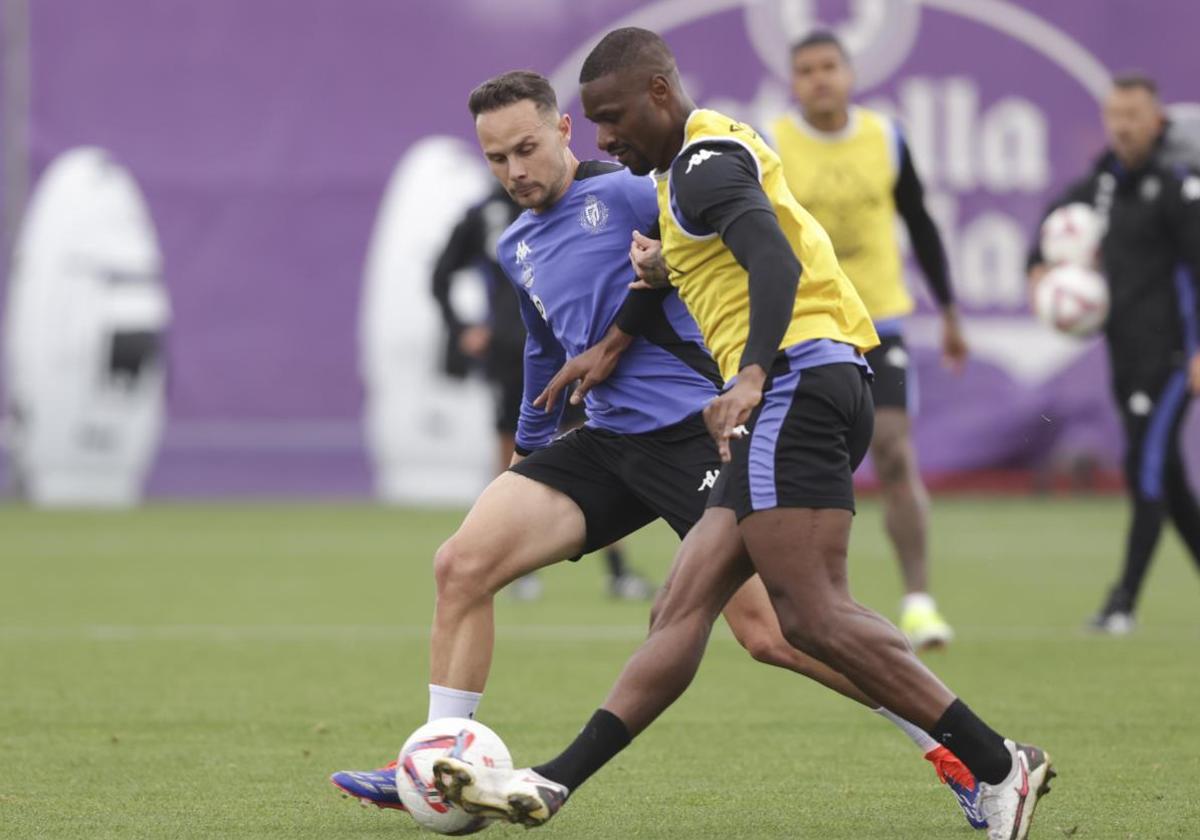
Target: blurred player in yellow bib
(851,168)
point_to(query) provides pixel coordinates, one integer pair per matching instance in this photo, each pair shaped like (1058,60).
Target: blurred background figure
(852,169)
(1146,188)
(497,345)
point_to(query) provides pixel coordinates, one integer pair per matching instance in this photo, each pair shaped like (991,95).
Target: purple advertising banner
(264,136)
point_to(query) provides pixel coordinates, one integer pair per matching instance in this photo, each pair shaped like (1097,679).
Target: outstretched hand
(589,368)
(726,415)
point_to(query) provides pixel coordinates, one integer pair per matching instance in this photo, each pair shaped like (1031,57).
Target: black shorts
(806,438)
(623,482)
(895,382)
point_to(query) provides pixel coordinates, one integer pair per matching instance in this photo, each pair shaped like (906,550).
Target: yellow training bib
(846,180)
(715,287)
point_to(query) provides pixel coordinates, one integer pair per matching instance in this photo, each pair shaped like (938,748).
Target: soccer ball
(1071,234)
(1072,298)
(461,738)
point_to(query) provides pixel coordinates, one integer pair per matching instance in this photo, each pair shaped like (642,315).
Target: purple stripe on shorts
(764,437)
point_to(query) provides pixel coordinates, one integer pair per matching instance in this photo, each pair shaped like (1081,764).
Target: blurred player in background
(1146,188)
(499,345)
(851,168)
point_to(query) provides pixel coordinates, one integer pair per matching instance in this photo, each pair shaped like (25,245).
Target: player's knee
(461,573)
(812,632)
(891,459)
(768,646)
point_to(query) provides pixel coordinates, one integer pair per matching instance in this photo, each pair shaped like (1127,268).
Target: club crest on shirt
(594,216)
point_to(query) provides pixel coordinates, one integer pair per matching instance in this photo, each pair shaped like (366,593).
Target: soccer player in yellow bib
(787,331)
(851,168)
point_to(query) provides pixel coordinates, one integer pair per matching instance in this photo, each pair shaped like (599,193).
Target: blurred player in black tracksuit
(1147,189)
(499,346)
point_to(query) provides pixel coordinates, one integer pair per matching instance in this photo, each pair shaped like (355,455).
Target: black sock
(975,743)
(615,558)
(602,738)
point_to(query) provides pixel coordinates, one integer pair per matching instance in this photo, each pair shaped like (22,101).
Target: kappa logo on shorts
(709,481)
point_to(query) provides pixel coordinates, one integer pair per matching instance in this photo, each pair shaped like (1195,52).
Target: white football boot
(518,796)
(1008,806)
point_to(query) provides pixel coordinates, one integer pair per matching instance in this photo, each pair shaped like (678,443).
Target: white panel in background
(430,437)
(84,329)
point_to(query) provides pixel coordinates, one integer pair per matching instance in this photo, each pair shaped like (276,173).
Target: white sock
(452,702)
(918,600)
(915,733)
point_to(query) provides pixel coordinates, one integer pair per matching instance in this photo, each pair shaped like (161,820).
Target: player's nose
(604,138)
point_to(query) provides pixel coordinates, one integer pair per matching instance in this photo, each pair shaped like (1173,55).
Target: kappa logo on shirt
(523,251)
(699,157)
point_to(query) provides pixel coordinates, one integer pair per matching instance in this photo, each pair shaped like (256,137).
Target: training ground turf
(199,671)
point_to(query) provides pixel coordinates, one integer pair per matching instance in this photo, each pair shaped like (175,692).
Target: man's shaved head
(627,49)
(630,89)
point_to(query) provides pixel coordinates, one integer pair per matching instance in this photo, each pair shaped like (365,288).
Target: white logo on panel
(699,158)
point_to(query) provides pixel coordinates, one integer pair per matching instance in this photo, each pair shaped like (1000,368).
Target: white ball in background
(1073,299)
(1071,234)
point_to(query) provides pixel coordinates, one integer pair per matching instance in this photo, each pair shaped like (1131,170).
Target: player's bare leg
(517,526)
(801,555)
(906,503)
(753,622)
(709,568)
(906,518)
(711,575)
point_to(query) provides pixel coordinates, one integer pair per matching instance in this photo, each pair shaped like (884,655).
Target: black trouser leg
(1144,531)
(614,556)
(1181,504)
(1152,421)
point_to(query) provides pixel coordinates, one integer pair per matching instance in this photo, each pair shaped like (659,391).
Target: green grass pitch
(198,671)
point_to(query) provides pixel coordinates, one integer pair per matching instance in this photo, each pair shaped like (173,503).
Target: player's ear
(564,128)
(660,89)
